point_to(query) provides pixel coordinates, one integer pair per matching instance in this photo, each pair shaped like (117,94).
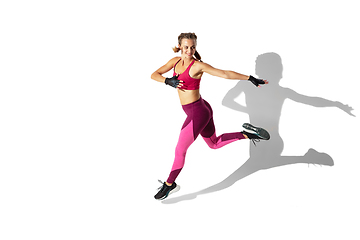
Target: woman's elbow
(153,75)
(226,75)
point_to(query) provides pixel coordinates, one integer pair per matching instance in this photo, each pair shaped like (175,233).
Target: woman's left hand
(257,81)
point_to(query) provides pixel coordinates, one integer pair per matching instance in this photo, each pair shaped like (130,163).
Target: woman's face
(188,48)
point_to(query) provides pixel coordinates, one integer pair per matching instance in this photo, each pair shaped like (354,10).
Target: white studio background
(85,133)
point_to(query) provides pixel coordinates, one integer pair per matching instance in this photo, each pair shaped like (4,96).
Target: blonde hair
(191,36)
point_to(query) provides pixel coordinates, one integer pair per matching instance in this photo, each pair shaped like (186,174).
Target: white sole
(171,192)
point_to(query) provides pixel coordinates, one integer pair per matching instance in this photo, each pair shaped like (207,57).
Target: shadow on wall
(264,106)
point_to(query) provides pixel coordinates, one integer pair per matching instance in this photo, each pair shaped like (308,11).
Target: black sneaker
(166,190)
(259,132)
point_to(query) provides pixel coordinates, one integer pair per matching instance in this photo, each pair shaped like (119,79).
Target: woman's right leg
(198,115)
(186,138)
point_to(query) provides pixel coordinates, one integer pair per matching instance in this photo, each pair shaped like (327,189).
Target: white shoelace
(162,184)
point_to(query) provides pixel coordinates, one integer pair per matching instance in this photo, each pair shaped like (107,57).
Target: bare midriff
(188,96)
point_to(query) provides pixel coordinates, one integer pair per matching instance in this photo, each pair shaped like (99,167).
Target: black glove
(173,82)
(256,81)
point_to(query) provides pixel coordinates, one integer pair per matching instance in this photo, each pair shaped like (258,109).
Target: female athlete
(188,70)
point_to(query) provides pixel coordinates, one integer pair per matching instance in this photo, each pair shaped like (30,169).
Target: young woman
(186,79)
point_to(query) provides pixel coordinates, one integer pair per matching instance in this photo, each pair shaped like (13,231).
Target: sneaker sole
(257,130)
(171,192)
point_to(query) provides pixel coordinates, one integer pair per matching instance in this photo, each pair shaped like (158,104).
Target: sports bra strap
(187,67)
(176,63)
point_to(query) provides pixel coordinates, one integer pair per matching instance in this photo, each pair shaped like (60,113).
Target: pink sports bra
(189,82)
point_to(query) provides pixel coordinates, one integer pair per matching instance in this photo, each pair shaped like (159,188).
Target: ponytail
(176,49)
(197,55)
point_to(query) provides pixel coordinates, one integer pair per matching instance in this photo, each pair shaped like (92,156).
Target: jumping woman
(188,70)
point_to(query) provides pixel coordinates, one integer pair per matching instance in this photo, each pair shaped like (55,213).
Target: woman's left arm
(204,67)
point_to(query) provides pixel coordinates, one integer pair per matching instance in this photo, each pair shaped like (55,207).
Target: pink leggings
(199,121)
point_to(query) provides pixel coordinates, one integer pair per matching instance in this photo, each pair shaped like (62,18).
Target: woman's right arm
(157,75)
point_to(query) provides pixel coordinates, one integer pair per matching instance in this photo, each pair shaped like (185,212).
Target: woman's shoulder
(200,65)
(173,61)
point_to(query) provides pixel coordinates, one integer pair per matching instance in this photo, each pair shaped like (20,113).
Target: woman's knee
(211,143)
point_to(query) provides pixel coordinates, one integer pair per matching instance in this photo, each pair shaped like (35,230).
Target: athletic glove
(256,81)
(173,82)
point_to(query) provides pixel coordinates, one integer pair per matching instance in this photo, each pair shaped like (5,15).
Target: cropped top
(189,82)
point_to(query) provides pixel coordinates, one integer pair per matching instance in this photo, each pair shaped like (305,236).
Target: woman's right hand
(174,82)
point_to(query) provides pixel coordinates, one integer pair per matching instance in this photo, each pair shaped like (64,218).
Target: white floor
(85,133)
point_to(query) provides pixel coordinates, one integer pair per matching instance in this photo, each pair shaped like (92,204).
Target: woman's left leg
(213,141)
